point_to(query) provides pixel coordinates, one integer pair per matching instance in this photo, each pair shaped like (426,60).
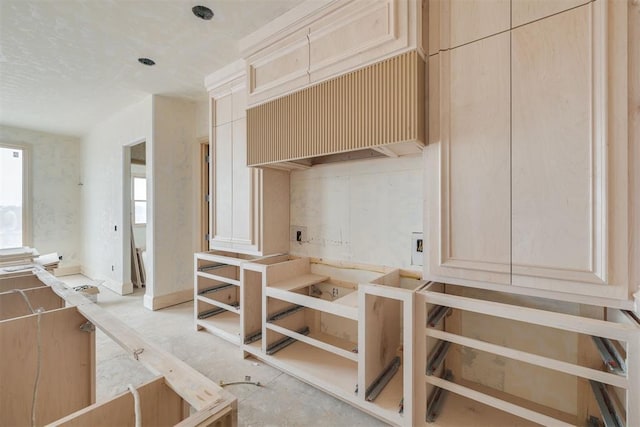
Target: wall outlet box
(299,234)
(417,252)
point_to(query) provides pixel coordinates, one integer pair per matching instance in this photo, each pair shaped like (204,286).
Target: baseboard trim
(117,287)
(164,301)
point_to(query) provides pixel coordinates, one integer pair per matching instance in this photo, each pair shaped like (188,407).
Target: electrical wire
(38,366)
(136,405)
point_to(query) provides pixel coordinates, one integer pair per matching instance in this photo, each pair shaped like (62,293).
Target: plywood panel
(469,193)
(159,406)
(383,334)
(13,304)
(19,282)
(66,367)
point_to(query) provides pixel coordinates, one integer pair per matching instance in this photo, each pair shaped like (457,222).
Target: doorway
(135,213)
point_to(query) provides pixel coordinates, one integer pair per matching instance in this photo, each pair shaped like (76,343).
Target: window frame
(27,237)
(134,200)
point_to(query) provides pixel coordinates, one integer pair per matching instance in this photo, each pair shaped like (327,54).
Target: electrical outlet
(417,249)
(298,233)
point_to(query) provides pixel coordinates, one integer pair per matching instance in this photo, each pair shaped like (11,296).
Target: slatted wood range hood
(373,111)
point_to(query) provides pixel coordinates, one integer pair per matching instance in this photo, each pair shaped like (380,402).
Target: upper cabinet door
(242,187)
(278,69)
(221,176)
(465,21)
(359,33)
(525,11)
(569,151)
(468,175)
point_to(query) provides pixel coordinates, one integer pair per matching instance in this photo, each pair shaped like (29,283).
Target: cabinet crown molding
(285,24)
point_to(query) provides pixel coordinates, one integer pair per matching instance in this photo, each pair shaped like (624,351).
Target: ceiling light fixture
(147,61)
(202,12)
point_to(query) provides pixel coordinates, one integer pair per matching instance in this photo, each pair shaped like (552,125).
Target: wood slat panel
(377,105)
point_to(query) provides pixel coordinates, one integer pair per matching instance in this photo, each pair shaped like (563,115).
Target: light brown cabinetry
(525,11)
(569,168)
(527,179)
(244,200)
(315,42)
(453,23)
(471,194)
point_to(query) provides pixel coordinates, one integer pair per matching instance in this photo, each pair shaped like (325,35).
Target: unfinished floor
(280,401)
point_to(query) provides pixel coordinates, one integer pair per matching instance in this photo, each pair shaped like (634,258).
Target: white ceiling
(65,65)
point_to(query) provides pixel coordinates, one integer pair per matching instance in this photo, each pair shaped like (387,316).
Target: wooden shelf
(460,411)
(326,370)
(299,282)
(330,343)
(226,325)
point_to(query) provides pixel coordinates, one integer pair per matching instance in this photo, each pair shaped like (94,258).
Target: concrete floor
(280,401)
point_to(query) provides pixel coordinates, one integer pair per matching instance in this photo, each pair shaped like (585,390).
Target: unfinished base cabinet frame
(48,351)
(218,293)
(616,390)
(368,364)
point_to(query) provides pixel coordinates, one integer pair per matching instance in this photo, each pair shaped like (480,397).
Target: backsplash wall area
(361,211)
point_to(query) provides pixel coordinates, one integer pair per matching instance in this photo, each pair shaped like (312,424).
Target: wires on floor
(136,405)
(247,380)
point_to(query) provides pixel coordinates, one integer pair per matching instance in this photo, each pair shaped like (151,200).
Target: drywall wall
(55,174)
(202,118)
(103,233)
(172,181)
(361,211)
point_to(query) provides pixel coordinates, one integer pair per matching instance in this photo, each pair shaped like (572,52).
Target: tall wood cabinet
(527,168)
(249,206)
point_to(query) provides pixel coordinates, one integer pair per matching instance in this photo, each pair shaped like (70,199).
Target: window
(139,200)
(13,197)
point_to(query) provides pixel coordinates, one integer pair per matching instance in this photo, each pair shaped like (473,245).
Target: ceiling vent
(380,107)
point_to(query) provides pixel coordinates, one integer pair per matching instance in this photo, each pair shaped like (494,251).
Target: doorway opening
(135,213)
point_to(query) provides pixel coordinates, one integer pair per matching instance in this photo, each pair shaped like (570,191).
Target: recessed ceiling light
(146,61)
(202,12)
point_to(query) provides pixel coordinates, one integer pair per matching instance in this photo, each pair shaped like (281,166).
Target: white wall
(102,193)
(172,174)
(55,191)
(202,118)
(363,211)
